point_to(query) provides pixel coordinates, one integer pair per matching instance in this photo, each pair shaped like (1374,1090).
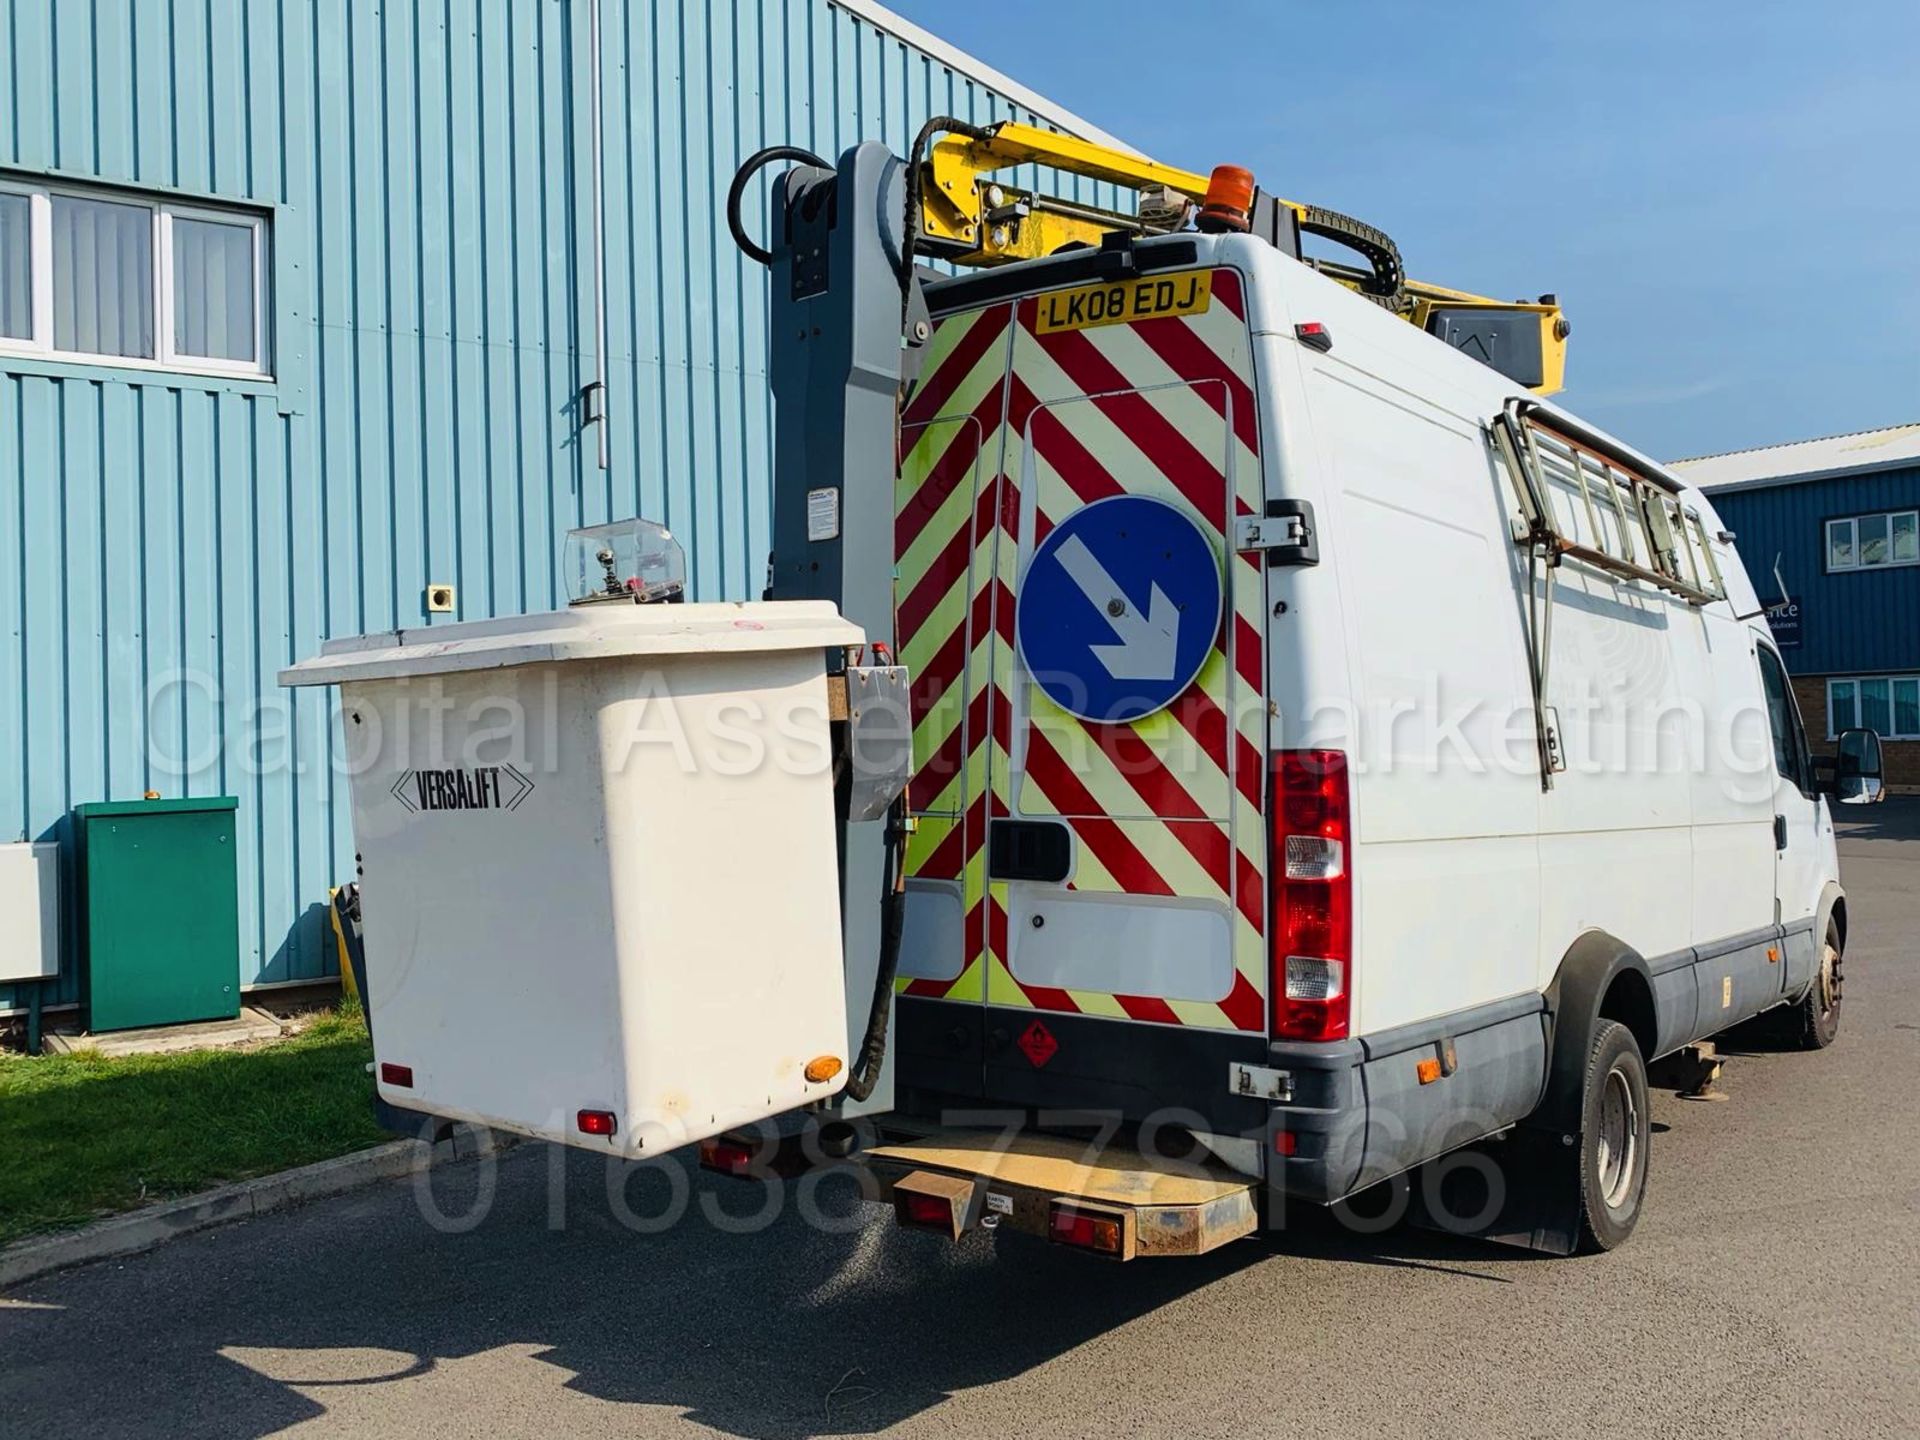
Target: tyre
(1816,1019)
(1615,1135)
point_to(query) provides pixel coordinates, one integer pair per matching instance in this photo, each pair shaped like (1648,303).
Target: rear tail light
(596,1122)
(926,1212)
(1310,933)
(726,1157)
(1083,1229)
(392,1074)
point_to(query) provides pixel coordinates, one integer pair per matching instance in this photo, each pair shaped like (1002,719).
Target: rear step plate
(1167,1207)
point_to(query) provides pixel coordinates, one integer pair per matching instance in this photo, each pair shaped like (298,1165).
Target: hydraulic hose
(738,189)
(910,229)
(872,1060)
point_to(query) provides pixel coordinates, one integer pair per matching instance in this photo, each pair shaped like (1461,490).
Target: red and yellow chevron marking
(952,433)
(1169,805)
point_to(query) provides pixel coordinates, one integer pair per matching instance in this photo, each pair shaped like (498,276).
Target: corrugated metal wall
(168,542)
(1853,620)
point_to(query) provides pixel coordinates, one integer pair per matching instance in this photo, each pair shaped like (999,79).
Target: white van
(1323,744)
(1324,753)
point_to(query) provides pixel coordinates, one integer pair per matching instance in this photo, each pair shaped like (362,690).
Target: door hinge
(1286,533)
(1259,1082)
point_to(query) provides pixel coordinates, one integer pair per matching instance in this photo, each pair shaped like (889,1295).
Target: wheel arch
(1833,906)
(1600,978)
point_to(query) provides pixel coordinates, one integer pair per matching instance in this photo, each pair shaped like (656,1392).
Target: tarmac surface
(1772,1288)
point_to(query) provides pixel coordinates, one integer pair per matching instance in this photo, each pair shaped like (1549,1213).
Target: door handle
(1779,832)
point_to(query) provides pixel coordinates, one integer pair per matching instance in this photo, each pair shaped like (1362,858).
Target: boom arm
(971,219)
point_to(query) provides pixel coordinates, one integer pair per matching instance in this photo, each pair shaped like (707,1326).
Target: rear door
(1126,733)
(946,521)
(1087,662)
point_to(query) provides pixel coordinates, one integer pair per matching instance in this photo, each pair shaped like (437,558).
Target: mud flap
(1522,1189)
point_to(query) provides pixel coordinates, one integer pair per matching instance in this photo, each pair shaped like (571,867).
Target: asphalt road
(1773,1288)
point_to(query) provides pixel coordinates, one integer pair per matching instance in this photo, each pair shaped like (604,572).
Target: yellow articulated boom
(972,219)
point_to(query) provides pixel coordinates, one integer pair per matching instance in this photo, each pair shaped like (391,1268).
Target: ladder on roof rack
(1584,498)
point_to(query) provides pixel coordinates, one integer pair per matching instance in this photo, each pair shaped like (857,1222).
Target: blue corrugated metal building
(1840,519)
(297,316)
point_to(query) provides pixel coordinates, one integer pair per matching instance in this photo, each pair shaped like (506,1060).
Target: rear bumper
(1361,1111)
(964,1056)
(1358,1111)
(1325,1123)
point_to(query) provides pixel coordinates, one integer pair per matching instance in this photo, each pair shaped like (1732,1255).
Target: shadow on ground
(785,1332)
(1895,818)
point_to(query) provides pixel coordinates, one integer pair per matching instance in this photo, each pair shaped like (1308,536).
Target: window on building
(1860,542)
(110,277)
(16,267)
(1888,705)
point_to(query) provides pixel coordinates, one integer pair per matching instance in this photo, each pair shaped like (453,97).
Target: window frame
(1801,756)
(1893,680)
(166,359)
(1852,524)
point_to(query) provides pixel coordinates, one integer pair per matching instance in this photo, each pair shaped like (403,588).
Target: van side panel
(1732,785)
(1446,792)
(1659,830)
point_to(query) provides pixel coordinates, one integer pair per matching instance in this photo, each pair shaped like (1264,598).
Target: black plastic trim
(1714,949)
(1039,850)
(955,1054)
(1402,1038)
(967,292)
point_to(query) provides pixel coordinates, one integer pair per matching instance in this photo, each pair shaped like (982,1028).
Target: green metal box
(159,911)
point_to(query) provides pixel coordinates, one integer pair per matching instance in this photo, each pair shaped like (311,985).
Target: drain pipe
(599,240)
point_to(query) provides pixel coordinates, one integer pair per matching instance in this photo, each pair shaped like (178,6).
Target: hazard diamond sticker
(1037,1044)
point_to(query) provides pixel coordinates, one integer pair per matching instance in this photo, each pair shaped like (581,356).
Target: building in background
(298,308)
(1840,519)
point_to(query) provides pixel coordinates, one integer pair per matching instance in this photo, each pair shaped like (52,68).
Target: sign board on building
(1784,621)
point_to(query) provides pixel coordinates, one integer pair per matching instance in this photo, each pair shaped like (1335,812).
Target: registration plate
(1187,293)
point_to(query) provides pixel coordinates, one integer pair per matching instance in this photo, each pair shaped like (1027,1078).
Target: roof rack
(1584,498)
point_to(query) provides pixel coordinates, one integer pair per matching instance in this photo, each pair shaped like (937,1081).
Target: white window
(1862,542)
(115,278)
(1888,705)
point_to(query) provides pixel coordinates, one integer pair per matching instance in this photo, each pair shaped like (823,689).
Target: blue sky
(1725,194)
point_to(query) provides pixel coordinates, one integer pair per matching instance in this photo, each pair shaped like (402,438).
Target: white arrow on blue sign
(1119,608)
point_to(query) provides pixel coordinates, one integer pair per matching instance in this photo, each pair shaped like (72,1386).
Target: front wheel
(1817,1016)
(1615,1135)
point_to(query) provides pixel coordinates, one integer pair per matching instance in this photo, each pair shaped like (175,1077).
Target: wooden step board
(1166,1207)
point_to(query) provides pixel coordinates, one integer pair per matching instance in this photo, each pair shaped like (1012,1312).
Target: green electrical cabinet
(159,911)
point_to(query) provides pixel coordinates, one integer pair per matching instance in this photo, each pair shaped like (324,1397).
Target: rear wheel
(1817,1016)
(1615,1132)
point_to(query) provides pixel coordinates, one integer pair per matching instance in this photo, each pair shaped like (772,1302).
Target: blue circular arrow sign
(1119,608)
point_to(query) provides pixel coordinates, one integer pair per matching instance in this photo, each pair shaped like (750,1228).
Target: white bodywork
(1406,647)
(620,893)
(30,901)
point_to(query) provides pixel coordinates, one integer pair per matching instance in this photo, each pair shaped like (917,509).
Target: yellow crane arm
(973,219)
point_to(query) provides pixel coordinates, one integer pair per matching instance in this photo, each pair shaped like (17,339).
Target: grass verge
(84,1136)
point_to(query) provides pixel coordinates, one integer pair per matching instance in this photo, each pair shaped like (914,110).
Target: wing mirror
(1856,769)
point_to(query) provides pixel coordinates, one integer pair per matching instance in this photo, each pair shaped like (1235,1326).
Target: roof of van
(1802,460)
